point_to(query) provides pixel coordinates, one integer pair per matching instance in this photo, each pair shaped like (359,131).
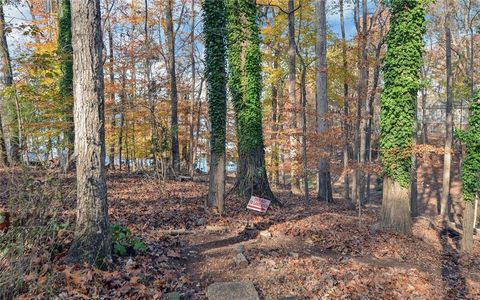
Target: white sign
(258,204)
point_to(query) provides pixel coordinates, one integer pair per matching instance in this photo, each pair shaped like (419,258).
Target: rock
(240,249)
(294,254)
(201,222)
(217,229)
(173,296)
(232,290)
(240,260)
(265,234)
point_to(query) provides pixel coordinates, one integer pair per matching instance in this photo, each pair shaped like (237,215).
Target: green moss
(403,60)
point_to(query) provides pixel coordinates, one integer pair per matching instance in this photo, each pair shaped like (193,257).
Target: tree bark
(294,178)
(10,126)
(92,241)
(467,223)
(111,75)
(170,37)
(324,180)
(395,207)
(346,157)
(191,163)
(447,161)
(215,57)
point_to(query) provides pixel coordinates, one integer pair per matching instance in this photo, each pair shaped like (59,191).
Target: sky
(19,14)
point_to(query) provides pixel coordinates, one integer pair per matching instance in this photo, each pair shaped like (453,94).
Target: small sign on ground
(258,204)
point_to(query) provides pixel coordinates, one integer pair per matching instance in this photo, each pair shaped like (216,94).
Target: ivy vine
(403,60)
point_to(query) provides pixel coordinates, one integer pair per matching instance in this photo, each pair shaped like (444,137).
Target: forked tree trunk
(92,242)
(467,223)
(395,207)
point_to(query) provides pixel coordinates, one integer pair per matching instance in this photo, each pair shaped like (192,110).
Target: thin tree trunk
(11,128)
(274,136)
(346,157)
(447,161)
(173,87)
(295,181)
(92,241)
(324,180)
(192,100)
(112,94)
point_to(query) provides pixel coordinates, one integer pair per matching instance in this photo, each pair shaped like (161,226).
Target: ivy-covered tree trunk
(403,61)
(214,22)
(10,122)
(245,83)
(66,65)
(92,241)
(471,173)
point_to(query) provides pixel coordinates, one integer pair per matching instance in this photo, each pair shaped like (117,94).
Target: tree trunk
(324,180)
(346,157)
(10,127)
(170,37)
(216,75)
(191,140)
(92,242)
(467,223)
(245,83)
(294,178)
(111,75)
(274,136)
(395,207)
(447,161)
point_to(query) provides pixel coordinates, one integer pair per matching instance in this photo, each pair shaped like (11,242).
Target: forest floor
(309,250)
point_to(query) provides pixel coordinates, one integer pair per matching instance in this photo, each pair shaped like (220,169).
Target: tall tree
(447,160)
(245,83)
(173,85)
(10,126)
(292,84)
(403,61)
(66,65)
(92,241)
(471,173)
(346,156)
(324,180)
(214,23)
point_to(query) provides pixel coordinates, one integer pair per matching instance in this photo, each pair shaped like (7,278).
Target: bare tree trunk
(173,87)
(396,215)
(295,181)
(3,144)
(274,136)
(112,82)
(192,100)
(324,180)
(447,161)
(346,157)
(92,241)
(11,128)
(468,219)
